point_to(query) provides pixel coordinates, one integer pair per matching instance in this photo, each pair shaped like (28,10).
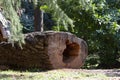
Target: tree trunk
(46,50)
(38,22)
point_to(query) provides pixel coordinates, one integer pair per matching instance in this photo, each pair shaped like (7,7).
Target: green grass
(51,75)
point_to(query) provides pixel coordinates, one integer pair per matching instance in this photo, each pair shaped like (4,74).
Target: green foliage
(59,15)
(10,8)
(92,61)
(97,22)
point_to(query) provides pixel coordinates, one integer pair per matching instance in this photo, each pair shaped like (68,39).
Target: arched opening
(71,51)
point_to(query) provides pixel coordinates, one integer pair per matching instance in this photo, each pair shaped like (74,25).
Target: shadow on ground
(113,73)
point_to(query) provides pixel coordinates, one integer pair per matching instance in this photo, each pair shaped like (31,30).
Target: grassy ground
(61,74)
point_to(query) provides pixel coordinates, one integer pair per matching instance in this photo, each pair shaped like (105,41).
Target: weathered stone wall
(46,50)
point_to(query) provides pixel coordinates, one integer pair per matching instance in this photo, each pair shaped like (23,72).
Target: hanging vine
(61,17)
(10,8)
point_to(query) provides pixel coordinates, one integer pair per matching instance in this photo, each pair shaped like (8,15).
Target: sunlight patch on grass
(51,75)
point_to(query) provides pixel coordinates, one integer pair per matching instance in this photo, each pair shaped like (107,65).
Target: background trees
(98,22)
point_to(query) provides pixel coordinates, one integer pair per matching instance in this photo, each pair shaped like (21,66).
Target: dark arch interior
(71,51)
